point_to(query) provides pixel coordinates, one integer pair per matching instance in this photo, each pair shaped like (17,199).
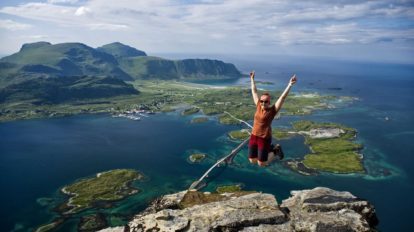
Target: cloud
(227,24)
(82,11)
(45,12)
(35,37)
(108,27)
(62,1)
(12,25)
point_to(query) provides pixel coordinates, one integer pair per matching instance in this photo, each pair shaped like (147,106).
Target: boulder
(324,209)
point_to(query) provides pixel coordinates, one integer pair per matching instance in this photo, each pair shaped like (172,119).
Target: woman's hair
(266,94)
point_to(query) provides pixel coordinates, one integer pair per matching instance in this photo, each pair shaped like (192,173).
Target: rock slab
(316,210)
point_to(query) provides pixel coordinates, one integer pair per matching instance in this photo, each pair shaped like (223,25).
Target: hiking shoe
(278,152)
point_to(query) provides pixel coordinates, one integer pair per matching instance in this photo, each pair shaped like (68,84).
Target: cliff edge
(319,209)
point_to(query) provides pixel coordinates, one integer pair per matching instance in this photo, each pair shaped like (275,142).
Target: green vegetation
(345,162)
(308,125)
(154,96)
(119,50)
(92,223)
(150,67)
(239,134)
(115,60)
(306,103)
(49,227)
(107,186)
(263,82)
(228,189)
(280,134)
(199,120)
(60,60)
(192,198)
(338,155)
(196,158)
(339,145)
(42,91)
(190,111)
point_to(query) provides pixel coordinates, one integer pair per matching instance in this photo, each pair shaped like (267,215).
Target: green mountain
(43,59)
(60,60)
(150,67)
(121,50)
(53,73)
(55,90)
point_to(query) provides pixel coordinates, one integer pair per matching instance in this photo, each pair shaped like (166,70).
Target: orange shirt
(263,121)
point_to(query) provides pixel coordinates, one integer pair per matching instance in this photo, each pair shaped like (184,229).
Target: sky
(380,30)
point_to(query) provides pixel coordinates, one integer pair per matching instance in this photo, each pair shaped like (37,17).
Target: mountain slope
(55,90)
(121,50)
(65,59)
(43,59)
(150,67)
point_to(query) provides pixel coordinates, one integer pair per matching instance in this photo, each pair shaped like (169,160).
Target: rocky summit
(319,209)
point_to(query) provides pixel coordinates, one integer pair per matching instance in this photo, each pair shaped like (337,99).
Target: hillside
(42,77)
(150,67)
(43,59)
(60,60)
(121,50)
(57,90)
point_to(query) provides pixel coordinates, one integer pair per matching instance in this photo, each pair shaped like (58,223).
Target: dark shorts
(259,148)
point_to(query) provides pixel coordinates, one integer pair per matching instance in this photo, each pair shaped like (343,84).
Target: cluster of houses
(134,114)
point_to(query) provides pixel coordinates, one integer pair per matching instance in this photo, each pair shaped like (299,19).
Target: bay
(38,157)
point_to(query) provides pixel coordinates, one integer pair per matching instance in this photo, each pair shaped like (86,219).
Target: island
(108,186)
(282,133)
(165,96)
(50,226)
(332,145)
(239,134)
(262,82)
(190,111)
(199,120)
(197,158)
(92,222)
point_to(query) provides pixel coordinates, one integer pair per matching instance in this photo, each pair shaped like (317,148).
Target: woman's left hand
(293,80)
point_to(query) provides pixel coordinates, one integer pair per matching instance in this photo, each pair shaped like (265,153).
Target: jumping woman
(261,138)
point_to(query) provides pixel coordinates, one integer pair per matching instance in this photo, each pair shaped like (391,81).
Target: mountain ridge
(115,60)
(42,66)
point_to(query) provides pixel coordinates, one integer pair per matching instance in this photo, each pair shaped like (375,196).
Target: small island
(199,120)
(262,82)
(190,111)
(239,134)
(197,158)
(105,187)
(92,222)
(332,146)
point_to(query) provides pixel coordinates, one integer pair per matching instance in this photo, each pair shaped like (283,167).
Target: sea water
(38,157)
